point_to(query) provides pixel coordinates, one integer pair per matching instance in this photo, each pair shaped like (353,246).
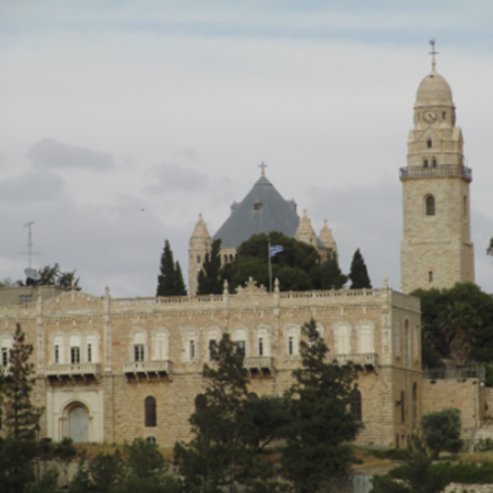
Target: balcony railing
(259,364)
(72,370)
(365,360)
(148,368)
(440,171)
(454,373)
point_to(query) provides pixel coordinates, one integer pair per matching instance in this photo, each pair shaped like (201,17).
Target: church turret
(436,250)
(327,239)
(305,231)
(199,246)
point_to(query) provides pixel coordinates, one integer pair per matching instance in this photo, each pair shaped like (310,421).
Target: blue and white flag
(275,249)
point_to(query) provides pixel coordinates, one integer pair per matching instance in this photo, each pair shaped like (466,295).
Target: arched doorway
(78,423)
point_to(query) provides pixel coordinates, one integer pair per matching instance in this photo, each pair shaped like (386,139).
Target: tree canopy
(52,275)
(321,423)
(297,267)
(223,450)
(457,325)
(442,430)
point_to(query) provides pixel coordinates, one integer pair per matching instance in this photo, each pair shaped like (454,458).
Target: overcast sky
(121,121)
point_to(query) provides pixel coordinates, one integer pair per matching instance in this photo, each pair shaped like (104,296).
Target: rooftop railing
(440,171)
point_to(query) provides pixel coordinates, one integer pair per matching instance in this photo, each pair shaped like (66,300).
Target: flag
(275,249)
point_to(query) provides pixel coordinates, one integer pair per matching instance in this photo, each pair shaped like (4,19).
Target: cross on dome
(433,52)
(262,167)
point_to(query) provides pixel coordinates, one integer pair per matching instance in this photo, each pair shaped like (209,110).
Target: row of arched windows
(75,349)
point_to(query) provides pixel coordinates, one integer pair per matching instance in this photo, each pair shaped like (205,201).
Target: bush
(441,431)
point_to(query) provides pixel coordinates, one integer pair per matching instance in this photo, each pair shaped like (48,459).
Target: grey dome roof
(263,210)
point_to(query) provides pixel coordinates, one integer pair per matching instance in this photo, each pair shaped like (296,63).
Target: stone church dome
(434,90)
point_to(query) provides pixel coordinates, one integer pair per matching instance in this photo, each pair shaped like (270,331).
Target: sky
(121,121)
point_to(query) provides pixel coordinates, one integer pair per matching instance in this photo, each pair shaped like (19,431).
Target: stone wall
(463,394)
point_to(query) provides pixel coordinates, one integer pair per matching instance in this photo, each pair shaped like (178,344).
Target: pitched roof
(263,210)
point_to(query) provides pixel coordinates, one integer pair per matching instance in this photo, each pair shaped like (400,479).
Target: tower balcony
(440,171)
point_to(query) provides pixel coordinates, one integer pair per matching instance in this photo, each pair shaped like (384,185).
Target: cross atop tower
(433,52)
(262,167)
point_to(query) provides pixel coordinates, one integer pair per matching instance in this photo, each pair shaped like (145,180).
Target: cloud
(170,177)
(54,154)
(364,217)
(31,187)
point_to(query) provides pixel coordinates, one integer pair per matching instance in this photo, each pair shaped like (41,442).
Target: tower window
(425,163)
(430,205)
(428,143)
(150,411)
(430,276)
(444,115)
(434,163)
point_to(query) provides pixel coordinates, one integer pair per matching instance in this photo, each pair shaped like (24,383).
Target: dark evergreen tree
(51,275)
(317,451)
(222,454)
(358,273)
(210,278)
(328,274)
(170,279)
(180,288)
(21,416)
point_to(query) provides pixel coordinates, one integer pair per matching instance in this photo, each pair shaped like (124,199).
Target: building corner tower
(436,249)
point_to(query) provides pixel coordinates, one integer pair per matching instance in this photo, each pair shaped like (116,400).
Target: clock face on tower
(429,116)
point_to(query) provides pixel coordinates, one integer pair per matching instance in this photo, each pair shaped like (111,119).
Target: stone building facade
(114,369)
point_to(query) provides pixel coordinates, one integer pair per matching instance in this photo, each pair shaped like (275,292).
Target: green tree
(210,278)
(222,455)
(317,450)
(170,279)
(441,431)
(489,250)
(51,275)
(457,324)
(21,416)
(328,274)
(293,266)
(358,273)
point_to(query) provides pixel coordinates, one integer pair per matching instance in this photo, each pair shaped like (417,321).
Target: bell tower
(436,248)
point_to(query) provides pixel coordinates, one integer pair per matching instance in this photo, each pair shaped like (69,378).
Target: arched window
(160,346)
(150,411)
(425,163)
(200,402)
(343,339)
(92,349)
(356,405)
(406,342)
(74,350)
(240,341)
(415,405)
(430,205)
(366,342)
(139,347)
(429,143)
(403,407)
(434,163)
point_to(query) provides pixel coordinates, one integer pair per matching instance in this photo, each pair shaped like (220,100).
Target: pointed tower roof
(263,210)
(327,238)
(305,231)
(200,229)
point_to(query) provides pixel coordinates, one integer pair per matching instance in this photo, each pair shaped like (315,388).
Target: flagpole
(270,266)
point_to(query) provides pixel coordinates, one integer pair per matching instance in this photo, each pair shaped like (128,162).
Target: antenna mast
(29,227)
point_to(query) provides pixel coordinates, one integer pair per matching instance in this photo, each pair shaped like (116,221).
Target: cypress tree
(209,280)
(170,279)
(358,273)
(180,289)
(21,416)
